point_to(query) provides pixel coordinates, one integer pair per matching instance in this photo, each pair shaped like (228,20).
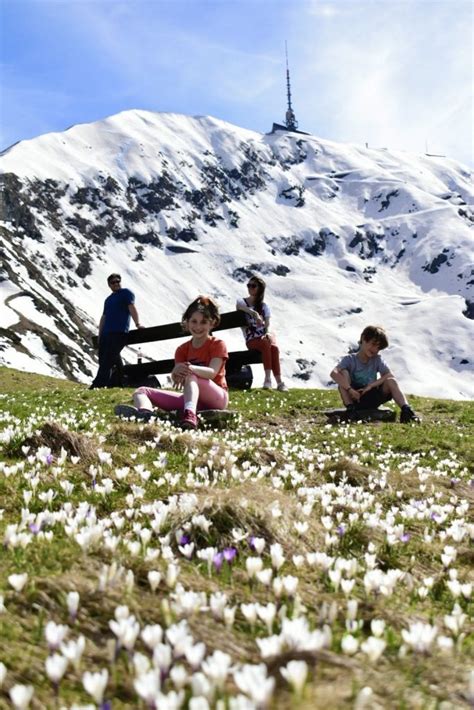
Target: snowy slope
(344,236)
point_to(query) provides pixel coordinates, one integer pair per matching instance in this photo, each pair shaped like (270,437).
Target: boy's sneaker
(408,415)
(189,420)
(129,412)
(352,413)
(281,387)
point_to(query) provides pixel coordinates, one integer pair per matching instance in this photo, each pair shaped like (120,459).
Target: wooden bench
(140,371)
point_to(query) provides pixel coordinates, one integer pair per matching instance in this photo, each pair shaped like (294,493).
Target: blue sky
(394,74)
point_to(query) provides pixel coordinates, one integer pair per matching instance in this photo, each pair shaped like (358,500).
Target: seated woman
(199,371)
(256,332)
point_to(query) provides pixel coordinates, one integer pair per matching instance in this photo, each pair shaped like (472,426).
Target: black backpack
(240,377)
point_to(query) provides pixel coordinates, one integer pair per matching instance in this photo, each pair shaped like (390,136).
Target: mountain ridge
(183,205)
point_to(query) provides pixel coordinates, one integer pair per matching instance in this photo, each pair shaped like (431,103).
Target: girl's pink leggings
(270,353)
(211,396)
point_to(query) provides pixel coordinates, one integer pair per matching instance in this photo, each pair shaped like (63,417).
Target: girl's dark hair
(205,305)
(375,332)
(259,296)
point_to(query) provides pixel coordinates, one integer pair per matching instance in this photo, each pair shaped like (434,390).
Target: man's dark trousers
(110,347)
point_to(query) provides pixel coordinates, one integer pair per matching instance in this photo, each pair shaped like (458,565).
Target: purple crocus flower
(229,554)
(218,560)
(184,540)
(251,542)
(341,530)
(405,537)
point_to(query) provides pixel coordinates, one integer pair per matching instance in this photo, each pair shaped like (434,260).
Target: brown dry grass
(56,438)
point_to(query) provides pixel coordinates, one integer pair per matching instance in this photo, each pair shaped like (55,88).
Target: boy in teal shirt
(364,379)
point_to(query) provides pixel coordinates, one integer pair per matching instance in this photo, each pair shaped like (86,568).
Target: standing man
(113,328)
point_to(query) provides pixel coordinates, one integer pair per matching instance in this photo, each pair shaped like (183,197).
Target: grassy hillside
(279,563)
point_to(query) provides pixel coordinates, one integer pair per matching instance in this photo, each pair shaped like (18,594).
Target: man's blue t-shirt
(363,373)
(117,315)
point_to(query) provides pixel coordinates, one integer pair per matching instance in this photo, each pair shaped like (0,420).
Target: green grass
(281,464)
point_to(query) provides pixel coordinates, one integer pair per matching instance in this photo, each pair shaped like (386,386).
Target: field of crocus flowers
(277,563)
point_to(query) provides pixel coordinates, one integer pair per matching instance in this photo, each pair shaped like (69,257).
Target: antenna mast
(290,118)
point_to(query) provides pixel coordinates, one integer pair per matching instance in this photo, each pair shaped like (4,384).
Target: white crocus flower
(277,556)
(445,644)
(373,648)
(349,644)
(352,607)
(454,587)
(3,673)
(250,613)
(72,601)
(347,585)
(216,667)
(241,702)
(55,634)
(267,614)
(270,646)
(265,576)
(141,663)
(364,699)
(277,586)
(95,684)
(194,654)
(295,672)
(162,657)
(18,581)
(420,636)
(253,566)
(254,681)
(290,584)
(56,667)
(126,631)
(455,621)
(147,686)
(154,579)
(202,686)
(187,550)
(21,695)
(258,544)
(217,603)
(377,626)
(448,555)
(301,527)
(335,577)
(229,616)
(172,574)
(73,651)
(179,676)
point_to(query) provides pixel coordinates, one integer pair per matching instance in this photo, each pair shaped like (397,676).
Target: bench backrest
(232,319)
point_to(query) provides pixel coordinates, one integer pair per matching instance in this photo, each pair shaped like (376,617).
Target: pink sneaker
(189,420)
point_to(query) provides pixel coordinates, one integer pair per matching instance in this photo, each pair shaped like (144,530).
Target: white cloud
(393,74)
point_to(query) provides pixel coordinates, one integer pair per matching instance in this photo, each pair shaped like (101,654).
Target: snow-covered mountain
(344,236)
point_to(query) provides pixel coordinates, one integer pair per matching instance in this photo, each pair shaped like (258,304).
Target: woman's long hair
(205,305)
(259,296)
